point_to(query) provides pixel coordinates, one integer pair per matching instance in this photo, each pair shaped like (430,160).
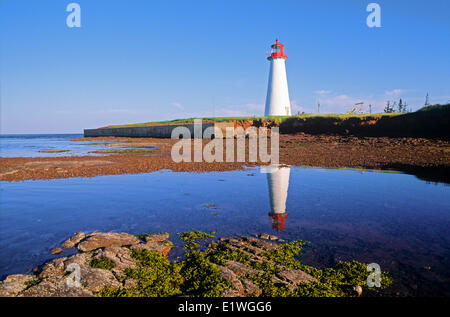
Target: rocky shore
(121,264)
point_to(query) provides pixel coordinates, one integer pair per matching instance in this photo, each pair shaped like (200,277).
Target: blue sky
(138,61)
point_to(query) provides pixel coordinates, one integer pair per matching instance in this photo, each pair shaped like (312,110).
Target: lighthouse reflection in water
(278,183)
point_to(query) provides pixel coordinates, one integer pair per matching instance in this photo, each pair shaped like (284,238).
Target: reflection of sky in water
(392,219)
(29,145)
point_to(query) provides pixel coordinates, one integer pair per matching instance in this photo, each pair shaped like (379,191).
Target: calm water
(395,220)
(29,145)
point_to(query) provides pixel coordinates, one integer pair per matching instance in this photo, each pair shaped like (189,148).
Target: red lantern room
(277,51)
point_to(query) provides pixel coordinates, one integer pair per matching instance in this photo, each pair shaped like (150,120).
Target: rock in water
(56,251)
(71,242)
(97,240)
(358,290)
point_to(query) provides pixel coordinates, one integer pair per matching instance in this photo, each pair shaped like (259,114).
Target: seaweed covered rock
(295,277)
(119,264)
(155,242)
(119,256)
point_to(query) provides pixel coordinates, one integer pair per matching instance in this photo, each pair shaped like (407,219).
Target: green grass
(435,108)
(280,119)
(277,119)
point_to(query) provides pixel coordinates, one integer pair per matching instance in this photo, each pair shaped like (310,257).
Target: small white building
(277,101)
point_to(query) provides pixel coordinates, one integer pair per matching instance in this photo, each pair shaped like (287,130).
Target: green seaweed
(192,238)
(102,263)
(201,276)
(222,254)
(156,276)
(32,282)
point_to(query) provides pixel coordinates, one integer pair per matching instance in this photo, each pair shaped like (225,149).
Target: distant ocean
(29,145)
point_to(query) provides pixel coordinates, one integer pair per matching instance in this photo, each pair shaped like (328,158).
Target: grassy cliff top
(432,110)
(262,118)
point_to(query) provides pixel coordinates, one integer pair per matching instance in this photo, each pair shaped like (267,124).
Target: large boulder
(97,240)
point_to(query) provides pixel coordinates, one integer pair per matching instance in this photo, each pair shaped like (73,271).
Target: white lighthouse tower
(277,102)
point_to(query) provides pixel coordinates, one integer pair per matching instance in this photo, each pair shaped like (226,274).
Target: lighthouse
(277,101)
(278,181)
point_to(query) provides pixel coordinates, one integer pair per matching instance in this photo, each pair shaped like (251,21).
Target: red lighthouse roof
(277,51)
(278,220)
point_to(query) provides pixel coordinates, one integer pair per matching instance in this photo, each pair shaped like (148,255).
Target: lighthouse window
(276,49)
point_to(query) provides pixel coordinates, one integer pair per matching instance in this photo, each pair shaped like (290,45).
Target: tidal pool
(396,220)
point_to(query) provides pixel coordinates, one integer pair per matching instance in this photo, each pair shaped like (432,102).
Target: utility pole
(318,107)
(370,109)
